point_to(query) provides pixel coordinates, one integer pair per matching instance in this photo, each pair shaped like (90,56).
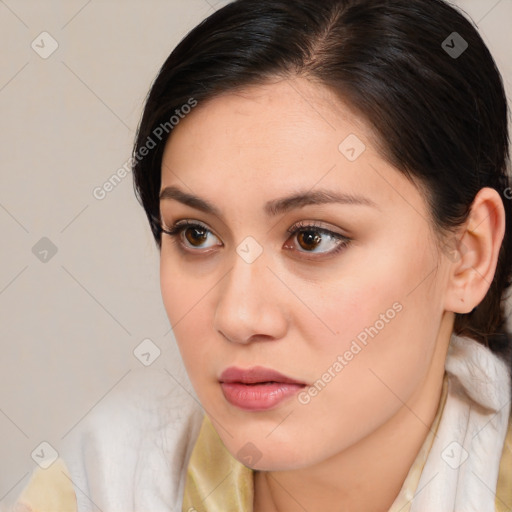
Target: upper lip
(255,375)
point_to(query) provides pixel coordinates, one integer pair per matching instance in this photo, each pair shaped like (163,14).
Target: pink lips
(257,388)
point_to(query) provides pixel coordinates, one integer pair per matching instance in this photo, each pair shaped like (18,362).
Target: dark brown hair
(416,70)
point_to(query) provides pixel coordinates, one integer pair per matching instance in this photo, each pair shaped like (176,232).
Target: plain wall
(69,325)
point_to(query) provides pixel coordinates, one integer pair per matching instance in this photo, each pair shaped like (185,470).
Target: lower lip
(258,397)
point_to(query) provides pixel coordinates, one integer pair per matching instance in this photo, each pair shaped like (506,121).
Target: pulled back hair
(440,118)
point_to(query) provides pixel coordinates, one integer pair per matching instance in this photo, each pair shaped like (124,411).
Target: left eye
(313,239)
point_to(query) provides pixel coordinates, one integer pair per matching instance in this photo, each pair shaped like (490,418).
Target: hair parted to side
(442,121)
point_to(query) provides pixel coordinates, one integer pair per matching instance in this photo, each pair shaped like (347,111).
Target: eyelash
(343,241)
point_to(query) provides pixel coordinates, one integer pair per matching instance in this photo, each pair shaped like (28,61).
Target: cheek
(184,297)
(363,302)
(175,293)
(391,311)
(383,320)
(184,286)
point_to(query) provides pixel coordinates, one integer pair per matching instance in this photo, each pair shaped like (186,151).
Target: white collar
(461,471)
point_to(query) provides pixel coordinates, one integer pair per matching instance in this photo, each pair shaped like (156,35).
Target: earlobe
(475,254)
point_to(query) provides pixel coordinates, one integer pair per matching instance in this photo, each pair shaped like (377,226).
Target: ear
(475,256)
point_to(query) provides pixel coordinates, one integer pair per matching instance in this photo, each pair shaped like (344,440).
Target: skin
(295,310)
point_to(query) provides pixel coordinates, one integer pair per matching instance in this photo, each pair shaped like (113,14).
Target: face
(307,254)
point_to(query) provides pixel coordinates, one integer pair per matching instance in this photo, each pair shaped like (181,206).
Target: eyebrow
(274,207)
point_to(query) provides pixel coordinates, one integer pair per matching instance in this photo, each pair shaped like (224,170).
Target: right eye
(191,235)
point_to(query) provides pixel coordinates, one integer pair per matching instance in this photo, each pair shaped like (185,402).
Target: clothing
(130,452)
(150,451)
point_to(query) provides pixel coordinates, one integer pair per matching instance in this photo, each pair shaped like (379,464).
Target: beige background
(69,326)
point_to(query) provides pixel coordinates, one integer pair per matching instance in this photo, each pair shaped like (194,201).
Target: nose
(249,305)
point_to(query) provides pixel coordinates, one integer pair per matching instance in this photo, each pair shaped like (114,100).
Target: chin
(271,456)
(282,462)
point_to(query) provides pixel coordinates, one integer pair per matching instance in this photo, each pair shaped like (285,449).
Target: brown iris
(196,236)
(309,239)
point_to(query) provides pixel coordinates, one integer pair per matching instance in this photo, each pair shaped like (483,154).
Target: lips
(257,388)
(255,375)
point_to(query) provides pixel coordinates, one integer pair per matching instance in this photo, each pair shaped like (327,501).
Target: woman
(327,185)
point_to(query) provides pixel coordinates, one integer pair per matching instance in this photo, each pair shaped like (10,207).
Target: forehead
(264,141)
(272,127)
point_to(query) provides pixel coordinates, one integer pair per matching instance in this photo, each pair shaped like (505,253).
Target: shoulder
(130,451)
(48,490)
(504,487)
